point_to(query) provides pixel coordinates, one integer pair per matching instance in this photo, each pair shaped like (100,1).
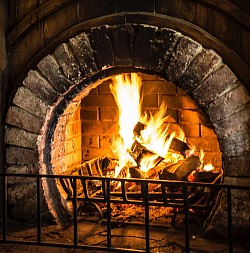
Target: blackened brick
(183,54)
(52,71)
(102,46)
(200,67)
(214,85)
(40,86)
(84,53)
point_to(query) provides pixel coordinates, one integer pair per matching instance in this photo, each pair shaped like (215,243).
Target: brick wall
(99,118)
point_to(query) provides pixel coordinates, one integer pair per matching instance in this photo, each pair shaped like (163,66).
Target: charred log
(180,170)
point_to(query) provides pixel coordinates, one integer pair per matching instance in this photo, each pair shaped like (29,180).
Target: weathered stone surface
(21,156)
(144,35)
(162,47)
(237,166)
(51,70)
(238,122)
(67,61)
(23,119)
(84,53)
(102,46)
(214,85)
(122,45)
(20,138)
(202,65)
(40,86)
(27,100)
(228,103)
(183,54)
(235,145)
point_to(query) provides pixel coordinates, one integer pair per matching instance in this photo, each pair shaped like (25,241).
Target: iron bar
(186,211)
(229,218)
(108,215)
(38,204)
(146,206)
(75,212)
(108,199)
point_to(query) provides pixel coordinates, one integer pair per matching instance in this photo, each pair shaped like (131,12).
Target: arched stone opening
(107,50)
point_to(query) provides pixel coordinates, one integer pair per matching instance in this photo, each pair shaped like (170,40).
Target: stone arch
(60,77)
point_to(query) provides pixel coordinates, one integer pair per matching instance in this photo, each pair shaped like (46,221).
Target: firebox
(70,97)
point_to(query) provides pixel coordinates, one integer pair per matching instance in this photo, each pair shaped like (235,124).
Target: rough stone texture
(202,65)
(162,47)
(102,46)
(51,69)
(21,156)
(84,53)
(20,138)
(24,120)
(238,122)
(40,86)
(240,215)
(27,100)
(185,50)
(122,45)
(237,166)
(228,104)
(144,35)
(214,85)
(235,145)
(67,61)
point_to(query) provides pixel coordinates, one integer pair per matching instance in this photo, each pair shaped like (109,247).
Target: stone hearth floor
(163,239)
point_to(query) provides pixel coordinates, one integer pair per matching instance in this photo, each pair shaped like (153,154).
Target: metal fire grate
(105,195)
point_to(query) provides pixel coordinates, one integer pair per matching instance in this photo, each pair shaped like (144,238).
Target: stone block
(178,102)
(90,141)
(181,57)
(201,66)
(144,35)
(40,86)
(24,120)
(20,138)
(52,71)
(67,61)
(84,53)
(158,87)
(150,100)
(89,113)
(214,85)
(162,47)
(237,166)
(106,100)
(104,87)
(191,130)
(228,104)
(235,145)
(102,46)
(108,114)
(122,45)
(105,127)
(236,123)
(21,156)
(27,100)
(106,141)
(207,144)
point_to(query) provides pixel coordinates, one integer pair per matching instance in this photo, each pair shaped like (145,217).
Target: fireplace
(67,97)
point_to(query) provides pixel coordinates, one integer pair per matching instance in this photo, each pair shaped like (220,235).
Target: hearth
(68,97)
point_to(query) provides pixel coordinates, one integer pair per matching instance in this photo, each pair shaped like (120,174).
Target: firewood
(175,146)
(138,151)
(180,170)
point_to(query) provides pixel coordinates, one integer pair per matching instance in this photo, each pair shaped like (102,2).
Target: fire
(155,137)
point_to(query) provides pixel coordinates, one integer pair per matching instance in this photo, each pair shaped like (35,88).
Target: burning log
(175,146)
(180,170)
(138,152)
